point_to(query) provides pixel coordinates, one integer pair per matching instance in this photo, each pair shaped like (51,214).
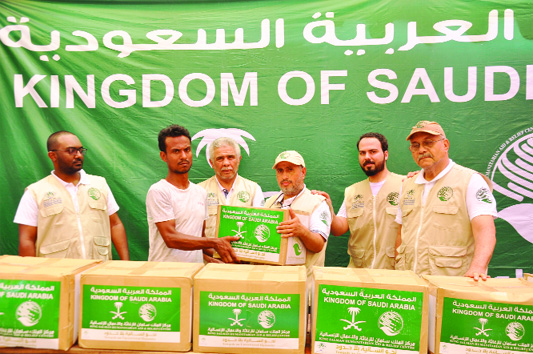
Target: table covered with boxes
(117,307)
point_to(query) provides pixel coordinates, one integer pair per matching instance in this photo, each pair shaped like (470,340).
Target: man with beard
(446,213)
(369,208)
(69,214)
(226,187)
(177,208)
(309,214)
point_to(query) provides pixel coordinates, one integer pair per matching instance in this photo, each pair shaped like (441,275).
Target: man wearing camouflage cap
(310,216)
(446,213)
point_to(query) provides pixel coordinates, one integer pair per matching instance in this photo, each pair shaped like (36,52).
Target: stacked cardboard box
(39,300)
(358,311)
(137,305)
(250,309)
(493,316)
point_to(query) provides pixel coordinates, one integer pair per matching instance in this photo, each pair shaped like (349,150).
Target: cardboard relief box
(39,301)
(137,306)
(259,240)
(493,316)
(358,311)
(528,277)
(246,309)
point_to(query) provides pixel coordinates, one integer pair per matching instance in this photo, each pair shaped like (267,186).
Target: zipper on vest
(418,236)
(375,231)
(81,237)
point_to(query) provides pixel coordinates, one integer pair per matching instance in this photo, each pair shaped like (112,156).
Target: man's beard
(378,167)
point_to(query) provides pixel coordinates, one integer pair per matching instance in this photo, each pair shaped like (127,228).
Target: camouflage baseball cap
(425,126)
(289,156)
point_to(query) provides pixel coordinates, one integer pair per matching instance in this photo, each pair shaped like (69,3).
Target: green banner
(307,75)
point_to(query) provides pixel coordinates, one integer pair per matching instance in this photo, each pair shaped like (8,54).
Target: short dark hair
(380,137)
(173,131)
(51,143)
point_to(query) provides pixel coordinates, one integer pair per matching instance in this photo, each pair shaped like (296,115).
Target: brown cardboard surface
(255,279)
(49,269)
(145,275)
(370,279)
(528,277)
(499,290)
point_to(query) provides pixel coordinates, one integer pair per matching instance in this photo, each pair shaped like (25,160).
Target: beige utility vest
(373,230)
(306,203)
(242,196)
(437,237)
(58,224)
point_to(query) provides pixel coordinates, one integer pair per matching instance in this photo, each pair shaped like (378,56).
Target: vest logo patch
(445,194)
(51,199)
(243,196)
(212,199)
(409,197)
(393,197)
(483,195)
(358,202)
(94,193)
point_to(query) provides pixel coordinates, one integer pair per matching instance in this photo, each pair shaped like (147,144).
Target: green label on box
(29,309)
(131,313)
(499,326)
(256,228)
(232,319)
(366,318)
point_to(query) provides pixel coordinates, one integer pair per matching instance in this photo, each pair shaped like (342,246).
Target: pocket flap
(101,241)
(401,249)
(406,211)
(99,204)
(445,262)
(393,210)
(391,252)
(55,247)
(447,251)
(446,209)
(354,213)
(358,252)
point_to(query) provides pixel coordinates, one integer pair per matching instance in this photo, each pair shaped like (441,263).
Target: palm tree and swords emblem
(483,330)
(354,311)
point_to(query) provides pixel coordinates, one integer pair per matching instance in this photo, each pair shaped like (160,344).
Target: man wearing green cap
(310,215)
(446,213)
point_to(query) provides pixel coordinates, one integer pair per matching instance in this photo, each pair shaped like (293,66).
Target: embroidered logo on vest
(51,199)
(409,197)
(445,194)
(392,198)
(483,195)
(212,199)
(358,202)
(94,193)
(243,196)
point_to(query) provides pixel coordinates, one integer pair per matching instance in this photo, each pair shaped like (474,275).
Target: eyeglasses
(72,150)
(427,144)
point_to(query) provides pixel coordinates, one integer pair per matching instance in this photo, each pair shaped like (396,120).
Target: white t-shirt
(474,206)
(187,207)
(28,210)
(374,187)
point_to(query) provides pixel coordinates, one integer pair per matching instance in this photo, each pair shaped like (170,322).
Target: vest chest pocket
(101,248)
(354,213)
(212,209)
(55,250)
(99,204)
(448,260)
(446,209)
(358,255)
(50,210)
